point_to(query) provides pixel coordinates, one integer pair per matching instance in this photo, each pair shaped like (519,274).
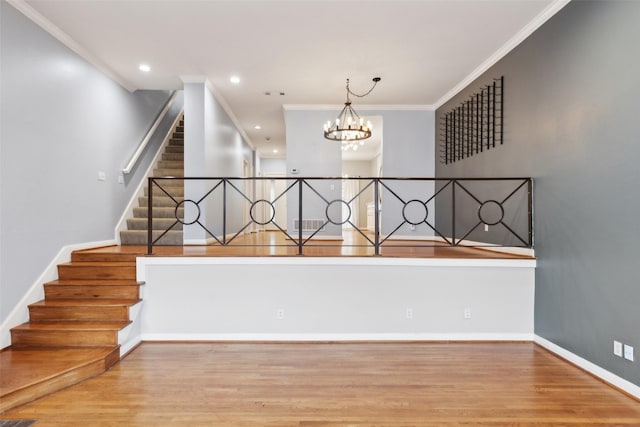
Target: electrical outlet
(467,313)
(486,227)
(617,348)
(412,227)
(280,314)
(628,352)
(102,176)
(120,179)
(409,313)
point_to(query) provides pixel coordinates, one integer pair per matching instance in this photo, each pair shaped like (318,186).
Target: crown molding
(194,79)
(64,38)
(511,44)
(370,107)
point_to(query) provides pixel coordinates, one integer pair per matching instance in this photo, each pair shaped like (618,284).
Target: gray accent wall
(571,122)
(62,122)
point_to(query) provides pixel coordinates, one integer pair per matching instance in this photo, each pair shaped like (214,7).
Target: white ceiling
(423,50)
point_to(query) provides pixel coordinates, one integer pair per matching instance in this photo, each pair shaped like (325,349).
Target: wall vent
(308,224)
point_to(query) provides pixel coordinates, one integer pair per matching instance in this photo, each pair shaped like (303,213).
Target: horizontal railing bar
(309,178)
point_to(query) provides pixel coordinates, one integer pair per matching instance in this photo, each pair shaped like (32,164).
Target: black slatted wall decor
(474,126)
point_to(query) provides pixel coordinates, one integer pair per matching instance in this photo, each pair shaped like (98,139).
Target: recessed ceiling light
(275,151)
(144,67)
(234,79)
(257,127)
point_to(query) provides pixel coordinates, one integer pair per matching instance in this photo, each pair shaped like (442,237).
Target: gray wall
(62,122)
(213,148)
(313,156)
(571,122)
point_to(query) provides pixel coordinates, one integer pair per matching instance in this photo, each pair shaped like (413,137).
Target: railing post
(299,216)
(150,218)
(224,212)
(453,212)
(376,193)
(530,201)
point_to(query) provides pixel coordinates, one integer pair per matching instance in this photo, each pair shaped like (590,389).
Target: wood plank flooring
(336,384)
(271,243)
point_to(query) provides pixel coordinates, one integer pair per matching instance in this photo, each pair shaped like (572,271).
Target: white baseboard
(20,312)
(590,367)
(420,238)
(338,337)
(206,241)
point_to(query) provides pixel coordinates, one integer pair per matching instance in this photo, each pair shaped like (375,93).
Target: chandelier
(349,128)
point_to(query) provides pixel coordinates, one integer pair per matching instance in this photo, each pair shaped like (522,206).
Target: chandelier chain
(349,91)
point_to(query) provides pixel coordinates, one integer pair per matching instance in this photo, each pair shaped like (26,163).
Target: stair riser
(176,157)
(168,172)
(171,164)
(65,292)
(178,135)
(180,128)
(158,212)
(63,338)
(75,272)
(105,257)
(45,314)
(174,141)
(139,237)
(175,191)
(174,149)
(158,224)
(159,201)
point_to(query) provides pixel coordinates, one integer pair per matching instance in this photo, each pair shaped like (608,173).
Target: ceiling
(423,50)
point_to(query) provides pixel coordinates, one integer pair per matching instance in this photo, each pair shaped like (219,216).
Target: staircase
(164,207)
(81,328)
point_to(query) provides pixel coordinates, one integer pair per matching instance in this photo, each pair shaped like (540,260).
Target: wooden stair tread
(26,366)
(89,282)
(29,374)
(104,302)
(99,264)
(72,326)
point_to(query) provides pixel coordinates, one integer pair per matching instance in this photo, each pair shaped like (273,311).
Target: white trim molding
(511,44)
(361,107)
(592,368)
(338,337)
(144,261)
(69,42)
(20,312)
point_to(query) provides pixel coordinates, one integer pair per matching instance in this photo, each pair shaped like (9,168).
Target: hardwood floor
(390,384)
(272,243)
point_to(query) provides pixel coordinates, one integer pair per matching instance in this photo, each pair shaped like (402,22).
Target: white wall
(273,166)
(329,298)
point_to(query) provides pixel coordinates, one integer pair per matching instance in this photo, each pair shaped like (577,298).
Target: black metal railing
(381,212)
